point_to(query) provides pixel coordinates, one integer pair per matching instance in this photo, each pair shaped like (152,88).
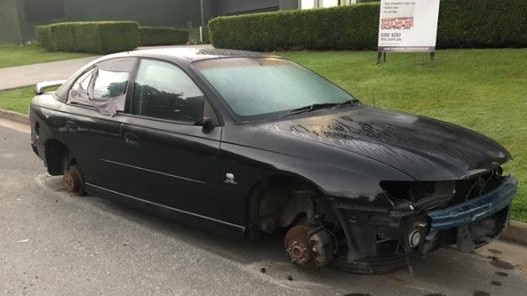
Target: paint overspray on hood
(423,148)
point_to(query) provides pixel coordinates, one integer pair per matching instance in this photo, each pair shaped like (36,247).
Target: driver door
(172,161)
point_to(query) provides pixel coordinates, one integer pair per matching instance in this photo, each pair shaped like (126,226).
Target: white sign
(408,25)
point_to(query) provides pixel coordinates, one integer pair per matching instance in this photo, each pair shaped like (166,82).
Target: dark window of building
(44,10)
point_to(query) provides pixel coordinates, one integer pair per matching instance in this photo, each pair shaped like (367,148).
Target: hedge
(92,37)
(482,24)
(43,36)
(162,36)
(346,27)
(468,23)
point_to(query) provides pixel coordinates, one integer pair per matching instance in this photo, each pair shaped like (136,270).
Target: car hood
(424,148)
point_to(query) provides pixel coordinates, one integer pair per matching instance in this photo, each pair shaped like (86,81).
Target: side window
(104,86)
(110,84)
(164,91)
(79,93)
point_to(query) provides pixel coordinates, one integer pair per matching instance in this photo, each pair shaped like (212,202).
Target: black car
(260,145)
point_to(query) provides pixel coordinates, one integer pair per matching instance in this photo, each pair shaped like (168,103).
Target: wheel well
(282,201)
(57,157)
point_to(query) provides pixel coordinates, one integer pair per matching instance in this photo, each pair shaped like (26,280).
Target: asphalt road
(52,243)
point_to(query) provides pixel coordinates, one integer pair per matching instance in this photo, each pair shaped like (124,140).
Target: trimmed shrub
(91,37)
(482,24)
(42,33)
(346,27)
(162,36)
(468,23)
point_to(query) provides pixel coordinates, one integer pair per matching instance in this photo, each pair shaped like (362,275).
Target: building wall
(309,4)
(10,32)
(18,18)
(210,9)
(175,13)
(38,12)
(230,7)
(289,4)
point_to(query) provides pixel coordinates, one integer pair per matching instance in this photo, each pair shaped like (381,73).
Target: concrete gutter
(515,233)
(14,116)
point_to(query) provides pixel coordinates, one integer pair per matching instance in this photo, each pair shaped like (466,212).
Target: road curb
(14,116)
(515,233)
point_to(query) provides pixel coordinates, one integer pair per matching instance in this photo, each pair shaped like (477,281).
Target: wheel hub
(299,253)
(308,246)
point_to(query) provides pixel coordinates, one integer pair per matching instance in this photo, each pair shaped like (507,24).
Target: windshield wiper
(310,108)
(348,102)
(314,107)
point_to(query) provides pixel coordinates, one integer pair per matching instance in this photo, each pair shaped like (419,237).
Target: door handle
(131,139)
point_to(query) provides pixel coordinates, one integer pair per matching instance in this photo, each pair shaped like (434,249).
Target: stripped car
(258,144)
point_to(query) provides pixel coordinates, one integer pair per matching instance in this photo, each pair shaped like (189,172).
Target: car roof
(179,55)
(188,54)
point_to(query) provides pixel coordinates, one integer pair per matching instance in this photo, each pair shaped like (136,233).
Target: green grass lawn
(17,99)
(15,55)
(485,90)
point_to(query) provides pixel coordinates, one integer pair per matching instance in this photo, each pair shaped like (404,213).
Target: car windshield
(255,87)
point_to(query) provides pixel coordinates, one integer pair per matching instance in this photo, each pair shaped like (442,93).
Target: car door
(92,127)
(173,159)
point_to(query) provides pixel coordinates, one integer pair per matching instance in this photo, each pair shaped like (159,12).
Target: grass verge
(17,55)
(17,99)
(483,90)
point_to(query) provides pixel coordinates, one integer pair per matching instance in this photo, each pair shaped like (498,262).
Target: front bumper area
(475,209)
(471,224)
(380,241)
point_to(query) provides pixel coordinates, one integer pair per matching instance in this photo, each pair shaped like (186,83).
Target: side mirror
(206,124)
(42,86)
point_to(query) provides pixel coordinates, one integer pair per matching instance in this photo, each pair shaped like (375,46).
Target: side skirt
(182,216)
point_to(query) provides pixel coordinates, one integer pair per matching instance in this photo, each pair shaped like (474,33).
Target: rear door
(91,130)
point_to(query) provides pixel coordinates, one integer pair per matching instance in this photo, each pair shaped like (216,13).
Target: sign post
(408,26)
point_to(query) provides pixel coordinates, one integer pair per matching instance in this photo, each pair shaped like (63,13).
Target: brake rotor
(308,246)
(71,180)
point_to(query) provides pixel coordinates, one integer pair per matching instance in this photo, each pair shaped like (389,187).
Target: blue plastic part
(474,209)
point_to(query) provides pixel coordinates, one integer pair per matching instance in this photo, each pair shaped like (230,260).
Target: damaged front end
(425,216)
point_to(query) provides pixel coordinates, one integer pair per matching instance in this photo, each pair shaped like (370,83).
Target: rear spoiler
(42,86)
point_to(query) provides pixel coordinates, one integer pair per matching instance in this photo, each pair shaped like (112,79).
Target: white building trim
(310,4)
